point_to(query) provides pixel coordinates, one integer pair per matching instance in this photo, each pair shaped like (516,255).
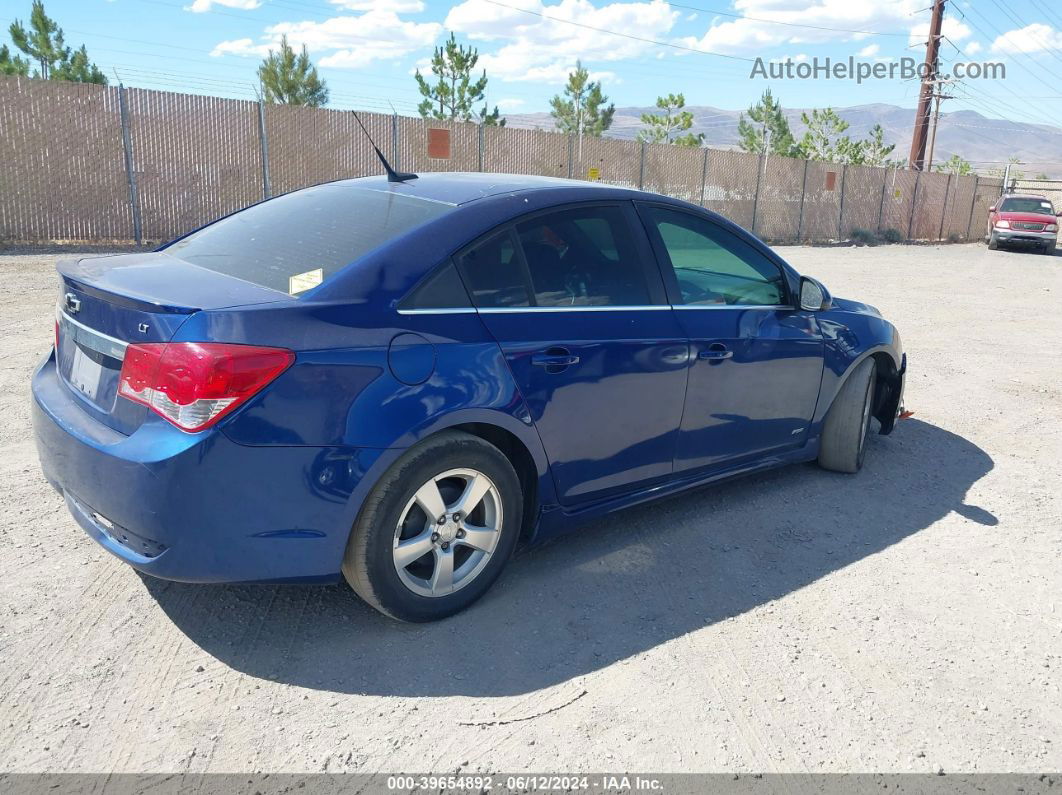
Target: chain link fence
(91,163)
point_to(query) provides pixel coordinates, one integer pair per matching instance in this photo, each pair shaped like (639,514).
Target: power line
(787,24)
(1023,25)
(622,35)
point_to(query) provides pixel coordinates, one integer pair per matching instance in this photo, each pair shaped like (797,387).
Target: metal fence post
(914,204)
(760,168)
(641,168)
(571,155)
(944,211)
(973,204)
(881,206)
(704,175)
(130,172)
(482,144)
(840,214)
(267,188)
(803,193)
(394,144)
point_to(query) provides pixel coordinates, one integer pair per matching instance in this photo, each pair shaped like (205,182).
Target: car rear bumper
(199,507)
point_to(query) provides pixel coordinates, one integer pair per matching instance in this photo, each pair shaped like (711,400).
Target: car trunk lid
(108,303)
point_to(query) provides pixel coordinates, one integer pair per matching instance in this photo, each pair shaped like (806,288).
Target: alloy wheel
(447,532)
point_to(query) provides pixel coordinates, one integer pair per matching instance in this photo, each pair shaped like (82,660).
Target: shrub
(891,235)
(954,237)
(863,237)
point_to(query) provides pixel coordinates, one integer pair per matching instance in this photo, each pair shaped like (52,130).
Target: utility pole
(937,96)
(921,125)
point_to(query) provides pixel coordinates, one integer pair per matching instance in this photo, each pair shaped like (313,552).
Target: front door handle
(715,352)
(554,359)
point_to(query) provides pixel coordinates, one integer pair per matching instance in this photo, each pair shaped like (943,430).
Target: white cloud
(199,6)
(350,42)
(974,47)
(832,20)
(397,6)
(510,104)
(869,51)
(544,46)
(1036,37)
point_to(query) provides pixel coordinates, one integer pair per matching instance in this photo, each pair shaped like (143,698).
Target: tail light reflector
(195,384)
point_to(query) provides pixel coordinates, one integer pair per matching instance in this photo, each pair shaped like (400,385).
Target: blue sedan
(397,382)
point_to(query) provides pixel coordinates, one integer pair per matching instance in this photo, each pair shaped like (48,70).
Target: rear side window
(295,242)
(441,290)
(583,256)
(494,273)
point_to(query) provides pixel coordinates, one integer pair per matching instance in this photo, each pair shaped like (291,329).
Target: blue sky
(368,49)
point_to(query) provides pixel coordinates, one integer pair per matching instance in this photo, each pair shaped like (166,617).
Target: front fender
(849,338)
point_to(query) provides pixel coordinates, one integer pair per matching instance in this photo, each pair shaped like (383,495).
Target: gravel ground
(905,619)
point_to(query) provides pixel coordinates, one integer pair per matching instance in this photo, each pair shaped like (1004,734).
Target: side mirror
(813,296)
(992,209)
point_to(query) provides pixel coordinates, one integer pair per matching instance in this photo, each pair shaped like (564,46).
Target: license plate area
(86,372)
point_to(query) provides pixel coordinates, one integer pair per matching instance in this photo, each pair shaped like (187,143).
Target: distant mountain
(987,143)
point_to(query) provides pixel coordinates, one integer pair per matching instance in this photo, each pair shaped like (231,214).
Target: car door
(756,361)
(576,302)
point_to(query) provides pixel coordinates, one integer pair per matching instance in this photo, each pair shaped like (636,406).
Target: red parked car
(1025,220)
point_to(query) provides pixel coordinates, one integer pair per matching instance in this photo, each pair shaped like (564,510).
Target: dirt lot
(905,619)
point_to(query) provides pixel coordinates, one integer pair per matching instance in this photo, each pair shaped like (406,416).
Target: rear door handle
(555,358)
(715,352)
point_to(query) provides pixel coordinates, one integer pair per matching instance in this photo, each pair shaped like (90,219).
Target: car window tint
(583,256)
(714,266)
(494,274)
(297,241)
(443,289)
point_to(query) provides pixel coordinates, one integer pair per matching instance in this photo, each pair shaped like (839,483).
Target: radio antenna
(392,175)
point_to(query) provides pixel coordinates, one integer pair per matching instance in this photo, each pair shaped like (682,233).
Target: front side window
(714,266)
(583,256)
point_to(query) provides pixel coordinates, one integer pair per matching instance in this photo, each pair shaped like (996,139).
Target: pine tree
(454,94)
(825,139)
(661,128)
(288,79)
(43,43)
(79,69)
(12,65)
(769,121)
(954,165)
(874,151)
(582,112)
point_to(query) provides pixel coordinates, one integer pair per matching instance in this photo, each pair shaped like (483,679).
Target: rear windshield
(295,242)
(1041,206)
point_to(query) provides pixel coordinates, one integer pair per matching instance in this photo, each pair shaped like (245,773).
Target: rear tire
(844,434)
(461,558)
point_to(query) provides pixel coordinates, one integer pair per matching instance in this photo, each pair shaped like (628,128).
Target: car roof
(454,187)
(1024,196)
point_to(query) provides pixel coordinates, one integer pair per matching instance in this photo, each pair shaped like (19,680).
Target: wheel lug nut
(442,520)
(434,537)
(460,533)
(457,517)
(445,545)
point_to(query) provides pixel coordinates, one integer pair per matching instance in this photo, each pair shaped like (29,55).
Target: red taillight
(195,384)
